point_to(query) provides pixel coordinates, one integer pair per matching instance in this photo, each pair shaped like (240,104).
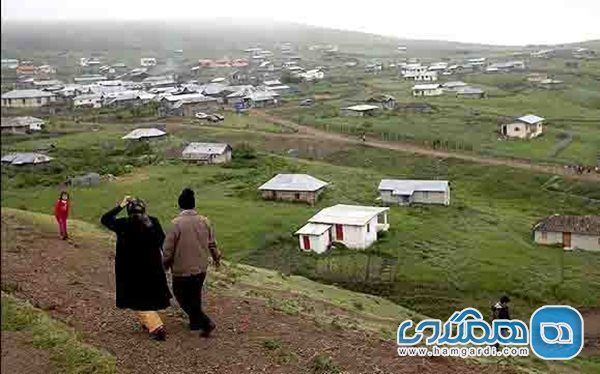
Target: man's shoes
(208,330)
(159,334)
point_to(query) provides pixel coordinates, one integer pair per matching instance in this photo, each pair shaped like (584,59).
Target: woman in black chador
(139,274)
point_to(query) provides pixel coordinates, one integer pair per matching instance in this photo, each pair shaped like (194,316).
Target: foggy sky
(508,22)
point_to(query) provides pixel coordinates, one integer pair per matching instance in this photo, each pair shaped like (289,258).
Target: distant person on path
(500,310)
(140,278)
(189,244)
(61,213)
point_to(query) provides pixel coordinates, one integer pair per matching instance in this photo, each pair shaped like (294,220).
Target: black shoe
(159,334)
(208,330)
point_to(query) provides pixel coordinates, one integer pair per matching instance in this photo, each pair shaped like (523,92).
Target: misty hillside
(209,37)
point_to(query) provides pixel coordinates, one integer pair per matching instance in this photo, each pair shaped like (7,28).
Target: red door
(339,232)
(566,239)
(306,242)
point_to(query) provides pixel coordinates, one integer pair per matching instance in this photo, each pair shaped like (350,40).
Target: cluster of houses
(357,226)
(352,225)
(172,98)
(415,71)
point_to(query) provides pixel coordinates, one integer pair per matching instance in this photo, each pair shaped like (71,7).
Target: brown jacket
(188,244)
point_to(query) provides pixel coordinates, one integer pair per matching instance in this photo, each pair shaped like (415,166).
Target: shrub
(324,365)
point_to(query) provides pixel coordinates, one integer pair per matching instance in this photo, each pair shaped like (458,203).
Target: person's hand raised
(125,201)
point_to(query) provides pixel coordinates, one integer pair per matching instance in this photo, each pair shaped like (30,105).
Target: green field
(434,259)
(466,124)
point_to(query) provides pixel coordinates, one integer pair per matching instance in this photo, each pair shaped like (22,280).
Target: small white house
(147,61)
(526,127)
(427,90)
(27,98)
(17,125)
(293,187)
(427,76)
(141,134)
(571,232)
(210,153)
(408,191)
(26,158)
(352,225)
(88,101)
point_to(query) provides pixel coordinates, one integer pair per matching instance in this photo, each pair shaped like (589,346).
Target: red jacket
(61,209)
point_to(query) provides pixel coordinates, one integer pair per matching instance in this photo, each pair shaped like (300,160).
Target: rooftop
(20,121)
(576,224)
(293,182)
(313,229)
(354,215)
(409,186)
(144,133)
(433,86)
(25,94)
(25,158)
(206,148)
(361,107)
(530,119)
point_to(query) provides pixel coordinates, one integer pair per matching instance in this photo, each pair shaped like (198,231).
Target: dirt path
(412,148)
(19,355)
(73,281)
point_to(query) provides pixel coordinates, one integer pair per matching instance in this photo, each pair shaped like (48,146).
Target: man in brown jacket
(187,248)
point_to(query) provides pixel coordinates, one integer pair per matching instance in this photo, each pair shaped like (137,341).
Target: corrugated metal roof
(361,107)
(470,90)
(20,121)
(25,94)
(144,133)
(455,84)
(293,182)
(26,158)
(206,148)
(530,119)
(426,86)
(355,215)
(576,224)
(313,229)
(409,186)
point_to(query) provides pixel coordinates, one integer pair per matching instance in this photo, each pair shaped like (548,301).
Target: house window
(368,227)
(517,129)
(39,100)
(23,101)
(544,235)
(297,196)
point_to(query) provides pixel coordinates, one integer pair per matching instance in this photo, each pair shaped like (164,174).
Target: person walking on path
(141,282)
(61,213)
(189,244)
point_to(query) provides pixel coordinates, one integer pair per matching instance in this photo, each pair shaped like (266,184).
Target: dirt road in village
(420,150)
(73,281)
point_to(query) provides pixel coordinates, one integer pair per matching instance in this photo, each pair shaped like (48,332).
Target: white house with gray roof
(526,127)
(354,226)
(210,153)
(18,125)
(427,90)
(27,98)
(293,187)
(409,191)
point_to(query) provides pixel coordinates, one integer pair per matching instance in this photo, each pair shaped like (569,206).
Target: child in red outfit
(61,213)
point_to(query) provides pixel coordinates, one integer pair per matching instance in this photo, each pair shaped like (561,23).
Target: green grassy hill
(434,259)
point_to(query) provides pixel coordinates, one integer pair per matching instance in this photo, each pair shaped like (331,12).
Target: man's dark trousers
(188,292)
